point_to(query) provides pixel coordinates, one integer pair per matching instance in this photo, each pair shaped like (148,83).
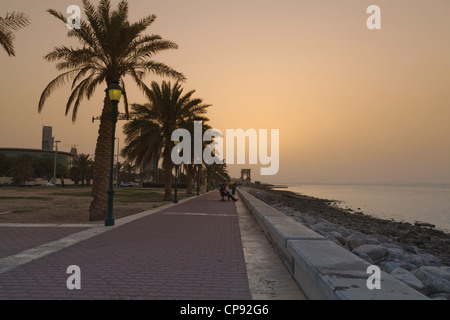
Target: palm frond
(111,47)
(6,41)
(54,84)
(12,22)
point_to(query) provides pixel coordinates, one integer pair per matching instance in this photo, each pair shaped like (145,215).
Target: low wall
(322,269)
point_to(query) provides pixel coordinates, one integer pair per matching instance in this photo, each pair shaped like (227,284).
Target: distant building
(74,152)
(63,158)
(48,152)
(47,138)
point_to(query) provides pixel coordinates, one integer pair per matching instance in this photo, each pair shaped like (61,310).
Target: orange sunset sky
(352,105)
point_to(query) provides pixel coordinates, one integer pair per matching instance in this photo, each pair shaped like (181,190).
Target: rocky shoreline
(418,255)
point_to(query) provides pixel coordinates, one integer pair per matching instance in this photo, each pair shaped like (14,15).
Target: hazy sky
(352,105)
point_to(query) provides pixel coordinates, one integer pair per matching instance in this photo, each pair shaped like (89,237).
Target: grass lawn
(70,204)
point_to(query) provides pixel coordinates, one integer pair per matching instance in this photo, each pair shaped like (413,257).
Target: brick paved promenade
(189,251)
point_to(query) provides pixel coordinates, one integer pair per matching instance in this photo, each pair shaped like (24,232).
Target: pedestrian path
(190,251)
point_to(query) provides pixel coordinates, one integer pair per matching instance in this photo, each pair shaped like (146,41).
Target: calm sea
(409,203)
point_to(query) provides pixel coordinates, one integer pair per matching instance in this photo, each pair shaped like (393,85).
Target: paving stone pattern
(189,251)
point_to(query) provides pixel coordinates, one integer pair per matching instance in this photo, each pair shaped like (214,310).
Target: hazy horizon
(352,105)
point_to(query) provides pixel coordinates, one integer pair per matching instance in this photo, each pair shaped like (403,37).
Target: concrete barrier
(322,269)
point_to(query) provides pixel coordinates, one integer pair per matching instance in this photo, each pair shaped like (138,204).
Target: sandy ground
(71,204)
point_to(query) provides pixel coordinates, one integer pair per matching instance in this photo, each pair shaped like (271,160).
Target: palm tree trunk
(189,177)
(102,162)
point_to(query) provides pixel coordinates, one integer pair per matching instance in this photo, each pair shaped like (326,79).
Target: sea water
(407,203)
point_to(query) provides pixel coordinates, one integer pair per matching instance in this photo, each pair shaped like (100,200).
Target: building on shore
(62,158)
(48,153)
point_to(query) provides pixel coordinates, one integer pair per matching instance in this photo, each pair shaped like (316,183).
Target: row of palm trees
(112,47)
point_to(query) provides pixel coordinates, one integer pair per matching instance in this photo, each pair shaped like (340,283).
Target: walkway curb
(323,270)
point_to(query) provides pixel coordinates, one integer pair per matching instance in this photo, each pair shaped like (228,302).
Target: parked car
(128,184)
(47,184)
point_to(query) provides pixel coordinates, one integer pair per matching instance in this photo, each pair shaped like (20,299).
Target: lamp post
(175,198)
(54,164)
(198,180)
(118,170)
(115,93)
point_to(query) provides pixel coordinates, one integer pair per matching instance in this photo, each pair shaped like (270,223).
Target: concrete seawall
(322,269)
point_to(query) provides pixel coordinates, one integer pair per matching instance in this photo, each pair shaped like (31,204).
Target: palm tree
(83,162)
(192,169)
(22,169)
(128,172)
(217,173)
(12,22)
(112,48)
(149,134)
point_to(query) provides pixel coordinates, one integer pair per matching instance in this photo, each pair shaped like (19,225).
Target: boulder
(307,219)
(364,256)
(333,239)
(391,245)
(415,259)
(409,279)
(395,253)
(375,252)
(355,240)
(344,231)
(326,227)
(338,236)
(430,260)
(436,279)
(440,296)
(390,266)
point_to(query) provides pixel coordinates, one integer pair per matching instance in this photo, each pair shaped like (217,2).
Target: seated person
(225,193)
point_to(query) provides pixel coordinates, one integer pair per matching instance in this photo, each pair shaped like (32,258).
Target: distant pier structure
(246,177)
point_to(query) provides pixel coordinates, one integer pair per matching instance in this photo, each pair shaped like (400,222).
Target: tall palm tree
(217,173)
(192,169)
(149,134)
(12,22)
(111,48)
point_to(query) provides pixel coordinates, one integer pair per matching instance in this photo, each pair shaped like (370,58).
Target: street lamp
(115,93)
(208,171)
(175,198)
(54,164)
(198,180)
(118,171)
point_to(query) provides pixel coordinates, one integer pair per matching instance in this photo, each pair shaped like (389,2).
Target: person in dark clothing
(225,193)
